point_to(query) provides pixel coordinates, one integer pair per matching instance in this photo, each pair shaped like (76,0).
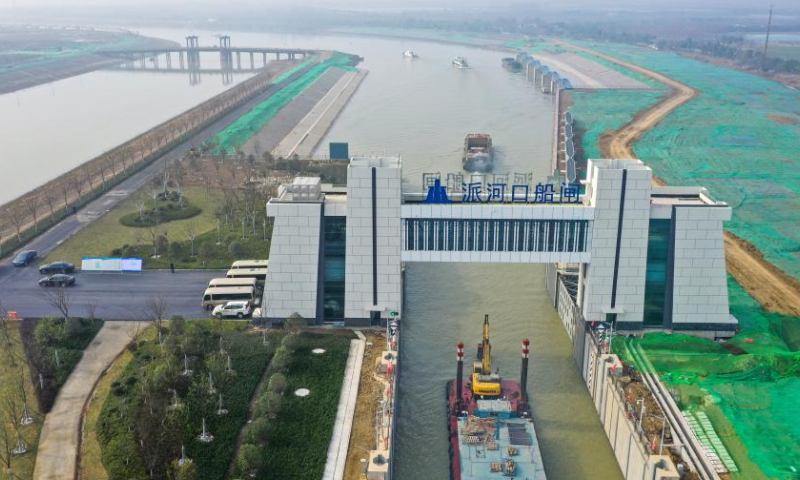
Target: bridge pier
(238,60)
(180,59)
(252,62)
(265,59)
(169,60)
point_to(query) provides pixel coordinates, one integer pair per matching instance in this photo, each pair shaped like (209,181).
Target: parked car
(24,257)
(60,280)
(56,267)
(232,309)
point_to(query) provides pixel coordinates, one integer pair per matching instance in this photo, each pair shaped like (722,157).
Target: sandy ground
(362,438)
(774,289)
(58,448)
(585,73)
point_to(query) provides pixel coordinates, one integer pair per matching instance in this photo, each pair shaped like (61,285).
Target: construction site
(735,134)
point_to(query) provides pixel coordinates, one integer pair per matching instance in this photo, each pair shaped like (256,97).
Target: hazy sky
(394,4)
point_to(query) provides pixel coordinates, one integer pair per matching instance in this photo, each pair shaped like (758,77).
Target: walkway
(340,440)
(773,288)
(58,447)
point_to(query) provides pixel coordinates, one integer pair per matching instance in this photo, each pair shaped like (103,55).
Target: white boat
(410,54)
(460,62)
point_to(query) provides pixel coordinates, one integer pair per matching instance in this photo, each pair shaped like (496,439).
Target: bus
(221,295)
(258,273)
(233,282)
(250,264)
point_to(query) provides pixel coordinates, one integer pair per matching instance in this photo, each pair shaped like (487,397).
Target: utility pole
(766,41)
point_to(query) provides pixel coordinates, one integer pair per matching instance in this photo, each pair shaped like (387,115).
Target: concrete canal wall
(617,416)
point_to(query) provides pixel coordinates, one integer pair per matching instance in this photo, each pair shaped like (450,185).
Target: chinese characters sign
(499,191)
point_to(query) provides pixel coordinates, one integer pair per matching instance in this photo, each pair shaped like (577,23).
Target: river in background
(52,128)
(421,110)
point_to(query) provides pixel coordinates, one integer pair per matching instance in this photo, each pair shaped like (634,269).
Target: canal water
(421,110)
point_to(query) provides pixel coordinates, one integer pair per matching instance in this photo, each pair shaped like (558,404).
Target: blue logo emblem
(437,193)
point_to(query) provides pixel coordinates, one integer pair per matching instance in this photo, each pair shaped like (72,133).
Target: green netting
(749,387)
(600,111)
(236,134)
(739,138)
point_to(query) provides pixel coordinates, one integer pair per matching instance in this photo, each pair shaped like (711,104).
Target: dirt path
(774,289)
(58,447)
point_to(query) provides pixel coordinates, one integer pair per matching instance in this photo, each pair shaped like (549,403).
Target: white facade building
(647,257)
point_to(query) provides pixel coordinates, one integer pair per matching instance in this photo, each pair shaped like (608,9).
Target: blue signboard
(496,192)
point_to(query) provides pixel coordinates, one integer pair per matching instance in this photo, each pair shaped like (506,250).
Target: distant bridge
(189,59)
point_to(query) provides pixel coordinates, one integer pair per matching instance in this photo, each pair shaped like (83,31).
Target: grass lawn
(91,464)
(107,233)
(13,368)
(108,237)
(303,427)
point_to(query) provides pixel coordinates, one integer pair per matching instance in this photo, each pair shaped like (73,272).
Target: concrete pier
(305,137)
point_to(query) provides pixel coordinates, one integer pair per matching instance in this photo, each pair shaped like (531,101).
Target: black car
(57,267)
(24,257)
(60,280)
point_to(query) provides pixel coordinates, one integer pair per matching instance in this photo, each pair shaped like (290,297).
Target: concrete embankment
(305,137)
(287,118)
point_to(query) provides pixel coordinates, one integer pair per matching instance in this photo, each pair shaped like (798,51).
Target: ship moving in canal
(489,421)
(478,153)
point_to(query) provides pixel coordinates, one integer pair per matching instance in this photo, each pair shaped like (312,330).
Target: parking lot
(117,296)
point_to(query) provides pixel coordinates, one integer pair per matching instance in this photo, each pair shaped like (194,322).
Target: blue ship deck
(478,453)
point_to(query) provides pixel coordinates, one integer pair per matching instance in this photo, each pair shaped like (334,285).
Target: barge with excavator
(489,422)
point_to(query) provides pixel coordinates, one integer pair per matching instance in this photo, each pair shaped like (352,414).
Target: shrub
(50,331)
(162,244)
(249,460)
(236,248)
(270,404)
(175,250)
(295,322)
(168,212)
(177,325)
(281,359)
(187,471)
(258,431)
(277,384)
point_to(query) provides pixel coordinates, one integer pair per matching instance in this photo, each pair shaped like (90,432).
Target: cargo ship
(512,65)
(489,421)
(478,154)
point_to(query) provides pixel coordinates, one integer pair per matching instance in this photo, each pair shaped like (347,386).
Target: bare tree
(65,189)
(14,218)
(91,309)
(77,184)
(60,299)
(152,232)
(50,200)
(7,446)
(154,194)
(32,205)
(140,205)
(2,234)
(134,331)
(5,334)
(156,309)
(191,234)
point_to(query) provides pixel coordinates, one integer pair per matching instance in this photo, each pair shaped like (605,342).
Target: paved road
(58,447)
(117,296)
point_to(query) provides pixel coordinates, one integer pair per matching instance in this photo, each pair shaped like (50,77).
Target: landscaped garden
(294,417)
(53,347)
(179,405)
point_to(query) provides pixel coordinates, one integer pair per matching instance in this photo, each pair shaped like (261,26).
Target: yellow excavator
(484,382)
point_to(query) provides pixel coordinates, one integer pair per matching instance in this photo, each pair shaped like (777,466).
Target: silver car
(232,309)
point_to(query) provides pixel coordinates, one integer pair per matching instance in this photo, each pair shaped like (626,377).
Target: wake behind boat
(410,54)
(489,421)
